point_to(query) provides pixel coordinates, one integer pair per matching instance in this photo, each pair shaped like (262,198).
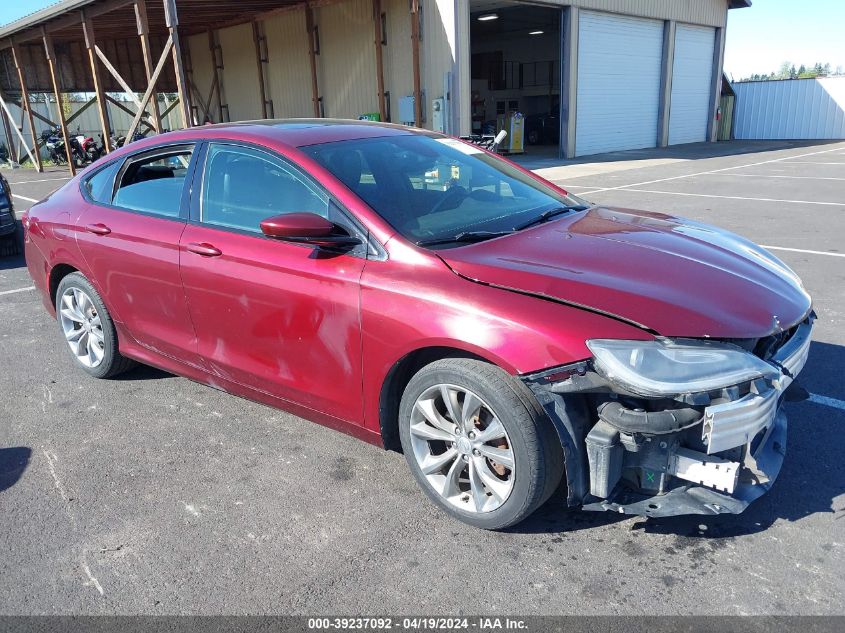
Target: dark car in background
(8,222)
(543,129)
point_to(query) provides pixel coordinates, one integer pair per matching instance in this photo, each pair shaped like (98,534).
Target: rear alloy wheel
(88,328)
(477,445)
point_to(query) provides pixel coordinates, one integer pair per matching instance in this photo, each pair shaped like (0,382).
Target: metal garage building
(609,74)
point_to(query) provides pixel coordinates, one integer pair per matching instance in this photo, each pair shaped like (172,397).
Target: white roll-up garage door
(692,78)
(618,81)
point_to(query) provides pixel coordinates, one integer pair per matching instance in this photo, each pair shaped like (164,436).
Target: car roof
(297,132)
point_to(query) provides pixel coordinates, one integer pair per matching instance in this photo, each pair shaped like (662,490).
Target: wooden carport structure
(136,47)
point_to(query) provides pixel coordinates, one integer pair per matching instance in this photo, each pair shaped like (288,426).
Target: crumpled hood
(673,276)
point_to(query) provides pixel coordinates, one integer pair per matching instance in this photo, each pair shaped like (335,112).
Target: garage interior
(515,70)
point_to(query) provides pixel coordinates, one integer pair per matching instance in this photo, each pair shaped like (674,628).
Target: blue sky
(10,10)
(771,32)
(759,39)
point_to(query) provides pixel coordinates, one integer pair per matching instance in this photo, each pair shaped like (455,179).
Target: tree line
(789,71)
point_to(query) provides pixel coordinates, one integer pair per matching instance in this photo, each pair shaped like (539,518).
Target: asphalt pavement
(151,494)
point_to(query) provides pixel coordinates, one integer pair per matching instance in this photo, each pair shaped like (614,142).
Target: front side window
(154,184)
(243,186)
(432,188)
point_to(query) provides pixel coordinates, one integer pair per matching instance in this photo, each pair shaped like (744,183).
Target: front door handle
(204,249)
(98,229)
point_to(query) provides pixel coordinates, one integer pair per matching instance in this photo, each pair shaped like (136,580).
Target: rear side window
(101,185)
(154,184)
(243,186)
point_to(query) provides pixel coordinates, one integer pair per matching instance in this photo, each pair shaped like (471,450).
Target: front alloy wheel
(478,443)
(462,448)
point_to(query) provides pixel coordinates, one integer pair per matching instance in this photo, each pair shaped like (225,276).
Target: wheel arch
(397,379)
(57,273)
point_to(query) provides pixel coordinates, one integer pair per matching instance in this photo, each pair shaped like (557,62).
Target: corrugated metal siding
(790,109)
(619,65)
(704,12)
(347,61)
(398,58)
(203,73)
(240,73)
(437,55)
(692,78)
(289,71)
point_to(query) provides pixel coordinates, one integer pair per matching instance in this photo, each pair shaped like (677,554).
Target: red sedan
(420,293)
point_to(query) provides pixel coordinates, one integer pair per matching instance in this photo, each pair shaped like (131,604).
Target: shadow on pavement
(810,482)
(13,461)
(539,157)
(11,250)
(143,372)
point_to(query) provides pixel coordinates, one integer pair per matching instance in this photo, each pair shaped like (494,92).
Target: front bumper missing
(728,460)
(736,423)
(697,499)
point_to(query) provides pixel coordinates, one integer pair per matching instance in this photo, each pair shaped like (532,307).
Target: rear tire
(456,418)
(88,328)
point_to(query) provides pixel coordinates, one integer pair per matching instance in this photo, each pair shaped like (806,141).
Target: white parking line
(809,162)
(801,250)
(14,195)
(712,195)
(26,182)
(777,177)
(17,290)
(828,402)
(715,171)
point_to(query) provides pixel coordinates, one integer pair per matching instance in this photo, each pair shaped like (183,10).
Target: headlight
(667,367)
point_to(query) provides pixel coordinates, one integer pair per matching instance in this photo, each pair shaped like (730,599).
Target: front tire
(477,443)
(88,328)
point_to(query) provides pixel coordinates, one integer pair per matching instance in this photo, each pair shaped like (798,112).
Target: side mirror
(306,228)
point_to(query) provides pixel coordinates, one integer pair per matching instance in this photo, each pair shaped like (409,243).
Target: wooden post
(415,49)
(312,55)
(150,89)
(10,141)
(259,60)
(26,105)
(51,65)
(102,104)
(382,106)
(172,21)
(144,34)
(215,69)
(17,131)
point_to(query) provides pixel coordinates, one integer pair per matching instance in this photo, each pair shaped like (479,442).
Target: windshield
(433,189)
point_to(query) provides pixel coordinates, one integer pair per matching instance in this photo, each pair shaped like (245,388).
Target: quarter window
(243,186)
(154,184)
(101,185)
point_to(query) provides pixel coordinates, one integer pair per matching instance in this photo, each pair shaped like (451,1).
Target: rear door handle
(206,250)
(98,229)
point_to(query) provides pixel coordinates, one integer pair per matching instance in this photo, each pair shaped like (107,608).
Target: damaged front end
(674,426)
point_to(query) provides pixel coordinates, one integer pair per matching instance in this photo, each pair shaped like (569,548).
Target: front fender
(434,307)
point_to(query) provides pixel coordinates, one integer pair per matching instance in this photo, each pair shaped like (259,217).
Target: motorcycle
(55,144)
(118,141)
(88,150)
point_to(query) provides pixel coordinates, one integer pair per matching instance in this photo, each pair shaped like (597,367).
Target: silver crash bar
(736,423)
